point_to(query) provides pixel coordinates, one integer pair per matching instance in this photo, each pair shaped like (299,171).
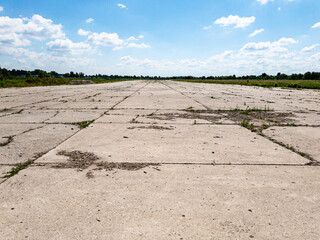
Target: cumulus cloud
(40,28)
(276,46)
(120,5)
(256,32)
(238,22)
(264,1)
(105,39)
(18,31)
(132,39)
(310,48)
(136,45)
(82,32)
(317,25)
(1,9)
(112,39)
(89,20)
(27,59)
(65,46)
(141,36)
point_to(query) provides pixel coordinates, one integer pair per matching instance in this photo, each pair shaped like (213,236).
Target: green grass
(18,112)
(33,82)
(309,84)
(9,140)
(18,168)
(83,124)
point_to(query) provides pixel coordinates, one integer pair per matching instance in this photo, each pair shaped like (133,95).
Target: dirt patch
(191,115)
(89,175)
(77,159)
(152,127)
(109,166)
(239,115)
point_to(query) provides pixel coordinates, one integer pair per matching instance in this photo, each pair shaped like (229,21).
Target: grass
(18,112)
(18,168)
(33,82)
(308,84)
(83,124)
(249,110)
(9,140)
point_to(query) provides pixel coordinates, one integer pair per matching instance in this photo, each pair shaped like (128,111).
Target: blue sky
(161,37)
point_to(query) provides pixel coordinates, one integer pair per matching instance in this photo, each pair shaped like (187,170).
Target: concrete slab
(226,97)
(177,202)
(307,118)
(28,116)
(72,116)
(304,139)
(15,129)
(175,144)
(32,143)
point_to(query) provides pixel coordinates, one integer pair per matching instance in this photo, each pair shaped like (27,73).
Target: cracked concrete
(196,173)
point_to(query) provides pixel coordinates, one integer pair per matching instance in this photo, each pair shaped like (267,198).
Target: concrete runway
(160,160)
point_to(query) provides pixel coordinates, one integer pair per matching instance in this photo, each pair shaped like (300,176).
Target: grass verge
(297,84)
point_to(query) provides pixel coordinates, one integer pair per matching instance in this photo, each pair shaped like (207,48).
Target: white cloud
(89,20)
(135,45)
(317,25)
(40,28)
(82,32)
(66,46)
(117,48)
(239,22)
(310,48)
(18,31)
(256,32)
(141,36)
(105,39)
(276,46)
(264,1)
(1,9)
(120,5)
(132,39)
(26,59)
(207,27)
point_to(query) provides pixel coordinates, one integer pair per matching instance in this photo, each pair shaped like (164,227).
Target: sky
(161,37)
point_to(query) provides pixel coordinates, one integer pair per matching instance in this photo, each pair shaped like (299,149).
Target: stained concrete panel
(303,139)
(170,202)
(176,144)
(32,143)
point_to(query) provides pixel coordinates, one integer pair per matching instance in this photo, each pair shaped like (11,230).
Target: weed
(194,122)
(9,140)
(83,124)
(190,109)
(246,124)
(18,168)
(20,111)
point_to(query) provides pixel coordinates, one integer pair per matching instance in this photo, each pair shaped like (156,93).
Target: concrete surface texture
(159,160)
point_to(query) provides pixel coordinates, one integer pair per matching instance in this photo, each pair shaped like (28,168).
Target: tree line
(7,74)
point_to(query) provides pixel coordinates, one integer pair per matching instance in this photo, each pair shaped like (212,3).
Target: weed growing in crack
(9,140)
(18,168)
(246,124)
(19,112)
(83,124)
(190,109)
